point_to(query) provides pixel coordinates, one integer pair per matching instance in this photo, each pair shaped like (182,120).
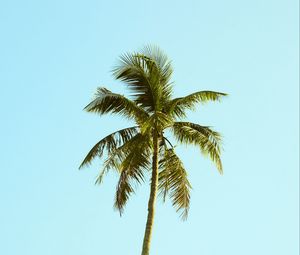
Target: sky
(54,54)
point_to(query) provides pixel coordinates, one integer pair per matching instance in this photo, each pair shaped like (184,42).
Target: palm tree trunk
(152,199)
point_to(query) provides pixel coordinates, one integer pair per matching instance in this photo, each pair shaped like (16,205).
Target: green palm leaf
(109,143)
(147,75)
(132,70)
(208,140)
(134,163)
(132,171)
(173,180)
(159,66)
(178,106)
(138,143)
(108,102)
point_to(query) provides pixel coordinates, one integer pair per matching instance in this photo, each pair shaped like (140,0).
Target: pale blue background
(53,55)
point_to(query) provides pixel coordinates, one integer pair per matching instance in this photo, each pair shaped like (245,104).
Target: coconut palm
(143,148)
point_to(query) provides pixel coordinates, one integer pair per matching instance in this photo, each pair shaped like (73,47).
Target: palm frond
(173,180)
(159,66)
(178,106)
(132,168)
(109,143)
(208,140)
(147,75)
(130,159)
(133,71)
(119,154)
(108,102)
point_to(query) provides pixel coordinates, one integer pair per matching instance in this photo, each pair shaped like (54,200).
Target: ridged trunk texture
(152,199)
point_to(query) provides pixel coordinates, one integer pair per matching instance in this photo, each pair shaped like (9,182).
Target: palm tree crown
(135,150)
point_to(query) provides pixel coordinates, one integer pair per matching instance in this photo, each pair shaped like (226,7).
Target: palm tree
(143,148)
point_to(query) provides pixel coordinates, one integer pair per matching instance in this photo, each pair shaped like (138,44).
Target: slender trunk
(152,199)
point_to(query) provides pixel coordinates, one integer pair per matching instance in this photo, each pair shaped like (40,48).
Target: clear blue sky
(53,56)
